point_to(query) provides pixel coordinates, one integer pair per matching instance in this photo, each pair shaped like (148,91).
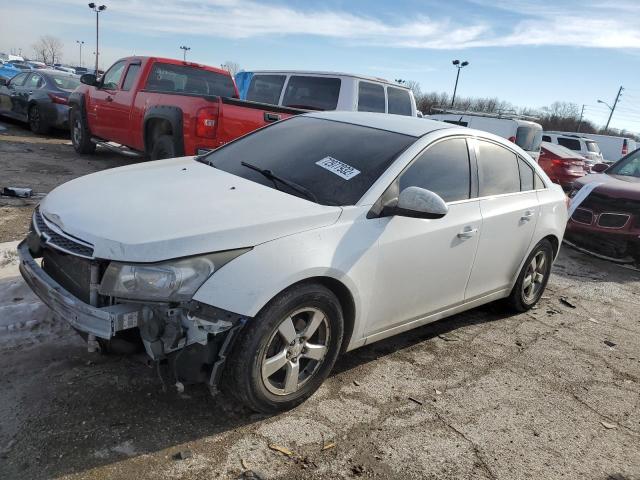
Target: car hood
(174,208)
(614,186)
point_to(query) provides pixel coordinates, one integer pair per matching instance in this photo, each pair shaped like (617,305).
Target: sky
(527,52)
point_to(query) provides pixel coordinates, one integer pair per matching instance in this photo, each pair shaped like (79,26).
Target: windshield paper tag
(336,166)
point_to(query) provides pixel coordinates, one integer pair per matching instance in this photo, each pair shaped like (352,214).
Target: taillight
(207,122)
(58,99)
(512,139)
(625,147)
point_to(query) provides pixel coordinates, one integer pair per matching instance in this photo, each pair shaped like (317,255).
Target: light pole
(611,109)
(97,9)
(184,49)
(459,65)
(80,42)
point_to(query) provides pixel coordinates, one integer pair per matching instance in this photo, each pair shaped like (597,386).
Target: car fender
(174,116)
(346,252)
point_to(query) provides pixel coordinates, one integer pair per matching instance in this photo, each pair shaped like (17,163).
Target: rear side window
(528,138)
(443,169)
(370,97)
(546,138)
(313,93)
(399,101)
(570,143)
(35,81)
(266,88)
(538,183)
(526,176)
(593,147)
(111,79)
(498,170)
(130,77)
(165,77)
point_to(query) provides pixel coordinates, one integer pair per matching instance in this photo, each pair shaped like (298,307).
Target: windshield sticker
(336,166)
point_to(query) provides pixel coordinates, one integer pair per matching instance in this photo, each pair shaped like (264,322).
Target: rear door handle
(528,215)
(467,232)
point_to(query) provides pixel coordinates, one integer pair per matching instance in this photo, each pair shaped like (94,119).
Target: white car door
(510,209)
(424,264)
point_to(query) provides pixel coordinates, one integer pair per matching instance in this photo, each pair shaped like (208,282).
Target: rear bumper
(101,322)
(55,115)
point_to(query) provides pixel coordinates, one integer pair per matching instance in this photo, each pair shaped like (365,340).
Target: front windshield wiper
(275,178)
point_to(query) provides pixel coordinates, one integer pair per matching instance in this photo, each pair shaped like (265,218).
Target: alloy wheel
(295,351)
(34,119)
(77,131)
(534,277)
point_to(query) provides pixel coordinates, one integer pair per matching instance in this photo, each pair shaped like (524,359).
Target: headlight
(172,281)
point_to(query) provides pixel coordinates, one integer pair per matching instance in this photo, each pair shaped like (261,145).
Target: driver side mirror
(89,79)
(419,202)
(599,167)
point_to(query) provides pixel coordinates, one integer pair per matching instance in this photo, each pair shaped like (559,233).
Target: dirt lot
(553,393)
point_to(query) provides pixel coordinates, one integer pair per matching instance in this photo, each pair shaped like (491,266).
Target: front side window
(629,166)
(529,137)
(19,79)
(111,79)
(169,78)
(498,170)
(370,97)
(337,162)
(399,101)
(266,89)
(570,143)
(132,74)
(443,168)
(313,93)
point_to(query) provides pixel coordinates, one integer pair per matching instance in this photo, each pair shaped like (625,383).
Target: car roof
(569,135)
(413,126)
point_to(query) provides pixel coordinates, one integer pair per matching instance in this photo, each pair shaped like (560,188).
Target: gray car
(38,97)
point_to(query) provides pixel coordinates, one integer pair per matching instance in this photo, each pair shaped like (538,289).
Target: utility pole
(184,49)
(459,66)
(80,42)
(580,121)
(614,107)
(97,9)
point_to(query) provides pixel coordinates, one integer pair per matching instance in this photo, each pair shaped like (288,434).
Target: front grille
(613,220)
(582,215)
(64,243)
(71,272)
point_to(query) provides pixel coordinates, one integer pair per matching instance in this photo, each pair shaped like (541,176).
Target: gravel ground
(552,393)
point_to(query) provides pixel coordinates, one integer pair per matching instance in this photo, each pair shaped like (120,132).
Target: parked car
(313,236)
(614,148)
(583,145)
(607,220)
(163,108)
(39,97)
(36,65)
(11,69)
(64,68)
(326,91)
(563,166)
(524,133)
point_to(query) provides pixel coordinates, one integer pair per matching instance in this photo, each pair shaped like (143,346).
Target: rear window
(370,97)
(169,78)
(65,82)
(593,147)
(529,137)
(457,122)
(570,143)
(399,101)
(546,138)
(313,93)
(266,88)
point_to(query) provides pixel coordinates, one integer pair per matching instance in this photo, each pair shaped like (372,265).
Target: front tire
(80,134)
(287,351)
(533,278)
(37,123)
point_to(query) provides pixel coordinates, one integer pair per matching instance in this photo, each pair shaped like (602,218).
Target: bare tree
(48,49)
(232,67)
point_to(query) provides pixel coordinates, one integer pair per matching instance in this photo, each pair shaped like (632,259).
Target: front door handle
(109,99)
(528,215)
(467,232)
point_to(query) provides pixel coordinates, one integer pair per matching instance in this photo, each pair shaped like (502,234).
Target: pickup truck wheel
(533,278)
(163,147)
(80,135)
(287,351)
(37,124)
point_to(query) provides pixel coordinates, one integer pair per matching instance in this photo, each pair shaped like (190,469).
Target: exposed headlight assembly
(171,281)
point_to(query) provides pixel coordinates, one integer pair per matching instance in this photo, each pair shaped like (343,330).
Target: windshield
(628,167)
(337,162)
(529,138)
(65,82)
(593,147)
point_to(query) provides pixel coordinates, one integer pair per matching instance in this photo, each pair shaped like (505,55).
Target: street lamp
(80,42)
(459,65)
(97,9)
(185,49)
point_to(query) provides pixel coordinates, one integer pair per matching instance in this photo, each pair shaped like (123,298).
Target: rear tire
(163,147)
(533,278)
(80,134)
(287,351)
(37,124)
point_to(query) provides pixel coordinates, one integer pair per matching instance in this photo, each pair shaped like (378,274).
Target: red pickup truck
(163,108)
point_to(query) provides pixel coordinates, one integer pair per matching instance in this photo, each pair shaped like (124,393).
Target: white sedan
(254,266)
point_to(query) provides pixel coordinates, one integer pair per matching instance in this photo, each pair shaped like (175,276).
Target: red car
(163,108)
(563,166)
(608,219)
